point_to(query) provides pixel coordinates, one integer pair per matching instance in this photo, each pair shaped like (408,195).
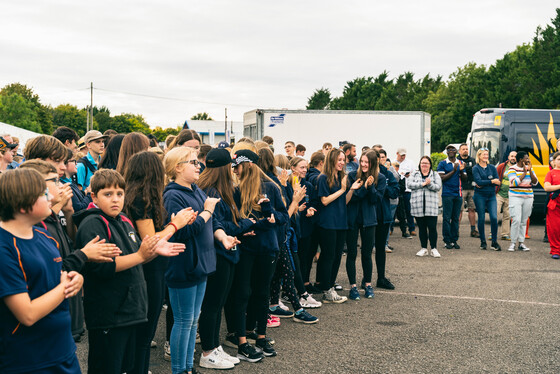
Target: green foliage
(22,108)
(162,134)
(437,157)
(70,116)
(202,117)
(320,99)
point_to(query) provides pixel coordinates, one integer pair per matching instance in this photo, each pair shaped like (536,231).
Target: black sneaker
(252,338)
(385,283)
(265,347)
(406,235)
(474,234)
(231,341)
(312,289)
(247,352)
(495,246)
(483,246)
(448,245)
(545,239)
(456,246)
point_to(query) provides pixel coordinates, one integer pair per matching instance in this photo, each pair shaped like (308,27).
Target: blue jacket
(199,258)
(483,179)
(391,192)
(362,207)
(265,240)
(224,216)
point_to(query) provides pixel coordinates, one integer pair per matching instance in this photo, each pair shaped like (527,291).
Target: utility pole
(225,127)
(91,104)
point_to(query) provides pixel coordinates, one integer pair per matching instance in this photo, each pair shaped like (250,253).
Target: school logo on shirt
(132,236)
(57,259)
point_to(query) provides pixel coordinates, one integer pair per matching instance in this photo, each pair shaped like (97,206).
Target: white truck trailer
(312,128)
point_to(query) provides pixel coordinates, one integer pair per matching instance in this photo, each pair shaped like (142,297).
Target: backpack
(89,166)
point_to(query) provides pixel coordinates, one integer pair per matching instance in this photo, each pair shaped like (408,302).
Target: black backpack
(89,166)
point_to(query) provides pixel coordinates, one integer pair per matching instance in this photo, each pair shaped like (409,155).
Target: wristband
(174,225)
(206,210)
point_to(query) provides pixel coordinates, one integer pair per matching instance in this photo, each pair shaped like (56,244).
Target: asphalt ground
(470,311)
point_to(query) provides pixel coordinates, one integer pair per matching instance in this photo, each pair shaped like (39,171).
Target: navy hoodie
(198,260)
(362,208)
(224,216)
(391,192)
(265,240)
(111,298)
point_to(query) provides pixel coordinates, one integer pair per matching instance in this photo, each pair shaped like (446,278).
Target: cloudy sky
(170,59)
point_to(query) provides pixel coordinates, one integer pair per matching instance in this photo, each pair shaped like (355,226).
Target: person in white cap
(405,170)
(94,141)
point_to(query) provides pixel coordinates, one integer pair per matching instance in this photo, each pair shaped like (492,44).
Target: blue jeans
(451,212)
(393,211)
(483,202)
(186,303)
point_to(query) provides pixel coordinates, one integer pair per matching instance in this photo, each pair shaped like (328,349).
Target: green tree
(103,118)
(127,122)
(202,117)
(320,99)
(42,113)
(161,134)
(17,111)
(70,116)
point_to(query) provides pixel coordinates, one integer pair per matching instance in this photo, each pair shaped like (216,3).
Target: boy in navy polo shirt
(452,172)
(35,332)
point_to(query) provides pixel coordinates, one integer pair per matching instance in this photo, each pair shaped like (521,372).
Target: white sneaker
(511,247)
(423,252)
(435,253)
(167,352)
(523,247)
(331,296)
(388,250)
(225,356)
(215,361)
(309,302)
(282,306)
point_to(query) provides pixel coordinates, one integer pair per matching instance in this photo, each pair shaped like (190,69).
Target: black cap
(217,157)
(5,144)
(244,155)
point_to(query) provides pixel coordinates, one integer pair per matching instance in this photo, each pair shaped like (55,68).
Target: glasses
(56,180)
(47,194)
(192,162)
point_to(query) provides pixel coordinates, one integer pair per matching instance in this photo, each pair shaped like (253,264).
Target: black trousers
(252,278)
(218,286)
(155,284)
(298,278)
(307,248)
(332,244)
(381,232)
(427,228)
(111,351)
(368,237)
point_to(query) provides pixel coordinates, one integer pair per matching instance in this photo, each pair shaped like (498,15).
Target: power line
(171,98)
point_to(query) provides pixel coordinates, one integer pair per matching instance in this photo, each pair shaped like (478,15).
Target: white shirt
(406,166)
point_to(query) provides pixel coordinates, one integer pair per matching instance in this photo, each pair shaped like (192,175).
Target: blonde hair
(260,145)
(479,152)
(243,145)
(172,159)
(282,161)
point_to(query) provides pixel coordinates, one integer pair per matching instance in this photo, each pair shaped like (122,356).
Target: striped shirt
(518,187)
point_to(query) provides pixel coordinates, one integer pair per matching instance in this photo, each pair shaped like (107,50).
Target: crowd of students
(207,229)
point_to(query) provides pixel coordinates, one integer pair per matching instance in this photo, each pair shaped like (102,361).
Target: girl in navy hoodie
(362,218)
(186,274)
(259,198)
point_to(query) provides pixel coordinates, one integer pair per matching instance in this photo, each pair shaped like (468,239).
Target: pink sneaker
(273,321)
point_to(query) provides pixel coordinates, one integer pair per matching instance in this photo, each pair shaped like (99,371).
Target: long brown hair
(250,188)
(183,137)
(266,161)
(145,178)
(329,169)
(221,179)
(373,169)
(131,144)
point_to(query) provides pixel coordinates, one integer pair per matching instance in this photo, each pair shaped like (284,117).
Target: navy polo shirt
(452,186)
(332,216)
(32,266)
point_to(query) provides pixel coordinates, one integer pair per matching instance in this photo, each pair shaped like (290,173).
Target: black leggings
(218,286)
(252,278)
(284,276)
(427,228)
(155,284)
(111,351)
(368,235)
(332,244)
(307,248)
(380,256)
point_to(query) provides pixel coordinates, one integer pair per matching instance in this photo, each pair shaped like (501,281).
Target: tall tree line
(528,77)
